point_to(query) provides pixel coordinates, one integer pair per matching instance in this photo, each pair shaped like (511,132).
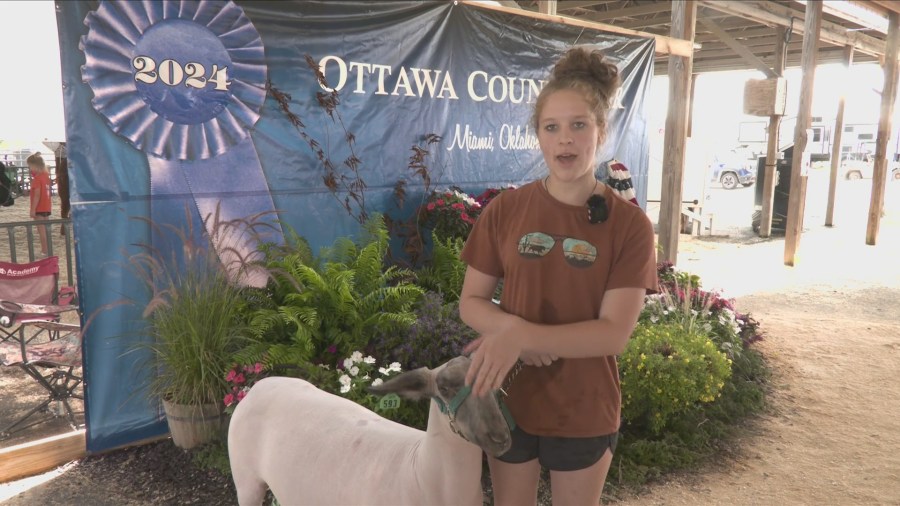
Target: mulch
(158,473)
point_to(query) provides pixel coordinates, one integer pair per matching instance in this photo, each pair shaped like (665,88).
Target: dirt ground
(832,327)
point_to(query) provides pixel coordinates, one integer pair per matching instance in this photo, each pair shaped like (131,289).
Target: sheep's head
(480,420)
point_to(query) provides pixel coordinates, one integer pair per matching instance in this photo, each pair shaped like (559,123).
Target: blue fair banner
(179,110)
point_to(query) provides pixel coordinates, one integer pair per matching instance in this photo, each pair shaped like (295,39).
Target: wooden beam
(752,33)
(771,168)
(547,7)
(34,457)
(836,139)
(684,18)
(566,6)
(702,65)
(887,5)
(664,45)
(854,14)
(770,13)
(640,10)
(812,25)
(737,47)
(888,95)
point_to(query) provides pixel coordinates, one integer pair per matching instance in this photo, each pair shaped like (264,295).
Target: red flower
(440,202)
(430,206)
(231,375)
(466,218)
(458,205)
(241,395)
(229,400)
(239,379)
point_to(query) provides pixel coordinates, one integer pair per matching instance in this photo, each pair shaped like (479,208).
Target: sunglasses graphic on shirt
(577,253)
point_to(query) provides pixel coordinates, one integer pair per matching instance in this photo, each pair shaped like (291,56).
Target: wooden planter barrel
(192,425)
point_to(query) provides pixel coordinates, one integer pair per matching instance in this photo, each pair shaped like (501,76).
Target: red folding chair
(35,286)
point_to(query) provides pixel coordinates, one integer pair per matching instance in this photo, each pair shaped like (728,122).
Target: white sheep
(314,448)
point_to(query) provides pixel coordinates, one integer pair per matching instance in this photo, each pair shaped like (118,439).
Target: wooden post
(689,130)
(684,18)
(547,7)
(765,224)
(811,27)
(888,94)
(836,140)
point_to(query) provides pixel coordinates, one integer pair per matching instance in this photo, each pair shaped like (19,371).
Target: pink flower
(241,395)
(466,218)
(229,400)
(440,202)
(231,374)
(430,206)
(239,379)
(248,368)
(258,367)
(458,206)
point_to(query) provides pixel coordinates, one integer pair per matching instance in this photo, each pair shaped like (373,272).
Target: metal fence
(18,242)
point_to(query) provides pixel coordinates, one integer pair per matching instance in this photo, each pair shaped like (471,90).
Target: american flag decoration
(620,181)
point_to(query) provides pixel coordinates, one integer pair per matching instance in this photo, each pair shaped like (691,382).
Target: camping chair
(55,365)
(34,285)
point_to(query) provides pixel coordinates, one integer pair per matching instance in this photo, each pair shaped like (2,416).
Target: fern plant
(445,271)
(327,307)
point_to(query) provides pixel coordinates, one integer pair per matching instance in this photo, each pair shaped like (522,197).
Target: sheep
(312,447)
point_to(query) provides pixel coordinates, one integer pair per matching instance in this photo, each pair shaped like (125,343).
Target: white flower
(354,371)
(377,381)
(369,360)
(383,371)
(345,389)
(356,357)
(348,363)
(325,366)
(345,380)
(654,318)
(707,327)
(671,308)
(366,377)
(395,366)
(694,312)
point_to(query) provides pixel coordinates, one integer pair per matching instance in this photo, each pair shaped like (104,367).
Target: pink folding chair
(33,286)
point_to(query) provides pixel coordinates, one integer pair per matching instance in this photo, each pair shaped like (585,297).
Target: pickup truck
(864,166)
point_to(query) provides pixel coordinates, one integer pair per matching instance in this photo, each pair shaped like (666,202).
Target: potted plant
(195,324)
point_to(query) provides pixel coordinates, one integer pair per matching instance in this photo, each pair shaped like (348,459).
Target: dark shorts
(559,453)
(44,214)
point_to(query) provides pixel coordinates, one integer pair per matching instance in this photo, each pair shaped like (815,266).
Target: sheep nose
(499,437)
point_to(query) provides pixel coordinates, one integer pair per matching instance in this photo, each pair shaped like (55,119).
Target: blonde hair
(588,72)
(36,161)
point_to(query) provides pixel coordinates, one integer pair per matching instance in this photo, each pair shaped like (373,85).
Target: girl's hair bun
(589,67)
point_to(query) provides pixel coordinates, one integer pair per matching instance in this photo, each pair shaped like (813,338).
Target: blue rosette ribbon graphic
(184,81)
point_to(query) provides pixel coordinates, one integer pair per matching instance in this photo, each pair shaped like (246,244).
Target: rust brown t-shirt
(556,267)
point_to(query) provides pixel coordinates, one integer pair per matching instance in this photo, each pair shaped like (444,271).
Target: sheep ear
(414,385)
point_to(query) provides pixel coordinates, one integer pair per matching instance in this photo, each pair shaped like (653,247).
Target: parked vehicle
(862,166)
(731,170)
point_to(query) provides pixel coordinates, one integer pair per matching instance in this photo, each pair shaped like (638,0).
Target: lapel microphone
(597,210)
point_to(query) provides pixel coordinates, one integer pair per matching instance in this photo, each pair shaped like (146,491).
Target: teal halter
(460,397)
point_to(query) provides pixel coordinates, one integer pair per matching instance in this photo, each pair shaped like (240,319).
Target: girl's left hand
(492,358)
